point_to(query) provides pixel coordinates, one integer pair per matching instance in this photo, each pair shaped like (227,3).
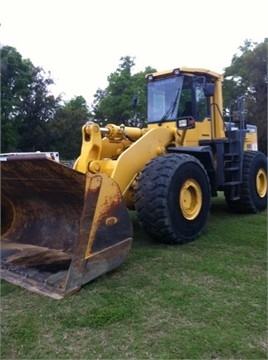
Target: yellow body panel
(251,141)
(202,131)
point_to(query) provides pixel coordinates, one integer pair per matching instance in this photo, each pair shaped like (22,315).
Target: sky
(81,41)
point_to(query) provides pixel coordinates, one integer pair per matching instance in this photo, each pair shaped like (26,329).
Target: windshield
(163,99)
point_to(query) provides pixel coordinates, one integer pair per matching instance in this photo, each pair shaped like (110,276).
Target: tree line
(33,119)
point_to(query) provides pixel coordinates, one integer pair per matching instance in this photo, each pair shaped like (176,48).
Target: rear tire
(173,198)
(254,185)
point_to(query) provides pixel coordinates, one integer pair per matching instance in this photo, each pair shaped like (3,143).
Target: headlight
(187,122)
(182,123)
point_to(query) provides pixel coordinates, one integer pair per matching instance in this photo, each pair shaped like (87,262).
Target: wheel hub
(261,183)
(190,199)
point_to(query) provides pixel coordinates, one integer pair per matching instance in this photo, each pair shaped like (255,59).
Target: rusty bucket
(60,228)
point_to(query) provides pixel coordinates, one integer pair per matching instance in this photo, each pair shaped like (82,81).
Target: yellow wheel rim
(261,183)
(190,199)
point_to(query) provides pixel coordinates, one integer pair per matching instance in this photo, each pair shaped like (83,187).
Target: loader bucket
(60,228)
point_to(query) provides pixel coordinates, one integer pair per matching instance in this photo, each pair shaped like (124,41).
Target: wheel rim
(261,183)
(190,199)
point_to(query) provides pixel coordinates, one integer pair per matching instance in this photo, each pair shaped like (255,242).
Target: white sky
(81,41)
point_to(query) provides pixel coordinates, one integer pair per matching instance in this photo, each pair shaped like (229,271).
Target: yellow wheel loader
(63,227)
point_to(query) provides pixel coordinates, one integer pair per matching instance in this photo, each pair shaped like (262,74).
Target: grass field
(203,300)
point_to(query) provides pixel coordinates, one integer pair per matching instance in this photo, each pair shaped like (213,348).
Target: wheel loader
(63,227)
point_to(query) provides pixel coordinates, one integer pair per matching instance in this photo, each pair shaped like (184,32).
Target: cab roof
(185,70)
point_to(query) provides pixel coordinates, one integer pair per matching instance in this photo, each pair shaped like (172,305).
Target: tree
(247,75)
(65,128)
(125,96)
(26,103)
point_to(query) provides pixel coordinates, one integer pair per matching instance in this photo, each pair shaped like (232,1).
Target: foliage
(33,119)
(65,128)
(125,96)
(247,75)
(26,103)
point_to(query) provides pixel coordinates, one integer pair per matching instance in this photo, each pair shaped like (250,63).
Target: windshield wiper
(171,109)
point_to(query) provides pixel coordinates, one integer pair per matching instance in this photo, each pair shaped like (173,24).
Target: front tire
(253,197)
(173,198)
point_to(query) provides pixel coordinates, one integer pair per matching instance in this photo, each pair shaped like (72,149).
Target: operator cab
(178,95)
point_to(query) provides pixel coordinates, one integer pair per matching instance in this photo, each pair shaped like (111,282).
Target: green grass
(203,300)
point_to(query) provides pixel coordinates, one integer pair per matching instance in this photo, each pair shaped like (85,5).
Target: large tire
(173,198)
(253,197)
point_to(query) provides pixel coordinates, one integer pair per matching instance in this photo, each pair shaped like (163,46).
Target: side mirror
(209,89)
(203,83)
